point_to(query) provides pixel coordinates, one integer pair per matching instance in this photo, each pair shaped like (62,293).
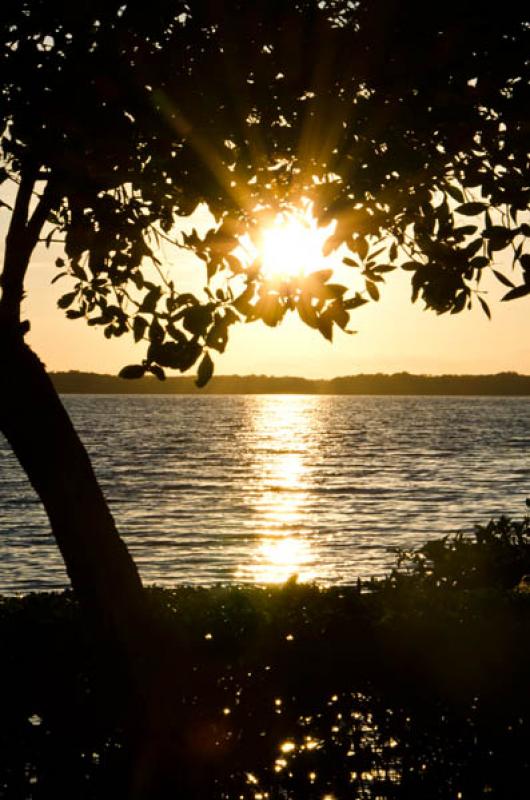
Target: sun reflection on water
(283,558)
(282,549)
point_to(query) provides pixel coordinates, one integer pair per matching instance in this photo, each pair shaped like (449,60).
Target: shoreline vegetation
(401,383)
(408,687)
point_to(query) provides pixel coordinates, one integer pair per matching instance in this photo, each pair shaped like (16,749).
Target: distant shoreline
(509,384)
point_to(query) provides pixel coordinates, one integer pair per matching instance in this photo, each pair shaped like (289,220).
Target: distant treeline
(400,383)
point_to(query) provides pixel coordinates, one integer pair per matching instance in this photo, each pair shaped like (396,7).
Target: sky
(392,335)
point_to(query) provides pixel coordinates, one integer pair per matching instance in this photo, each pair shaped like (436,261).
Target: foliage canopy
(405,125)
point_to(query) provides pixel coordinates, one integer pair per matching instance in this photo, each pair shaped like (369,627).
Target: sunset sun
(292,245)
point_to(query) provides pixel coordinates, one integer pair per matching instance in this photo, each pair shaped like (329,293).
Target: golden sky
(393,335)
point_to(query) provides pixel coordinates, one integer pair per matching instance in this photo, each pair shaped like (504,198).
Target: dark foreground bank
(412,687)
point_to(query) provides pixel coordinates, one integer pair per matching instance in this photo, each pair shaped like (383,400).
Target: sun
(292,245)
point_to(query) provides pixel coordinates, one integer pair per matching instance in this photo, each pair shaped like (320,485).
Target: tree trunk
(33,419)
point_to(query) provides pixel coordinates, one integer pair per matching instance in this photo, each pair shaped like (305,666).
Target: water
(258,488)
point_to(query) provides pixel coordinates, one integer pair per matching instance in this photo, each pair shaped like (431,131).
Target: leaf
(321,275)
(205,371)
(196,319)
(186,299)
(485,307)
(459,303)
(138,279)
(306,312)
(465,230)
(270,310)
(355,302)
(471,209)
(479,262)
(78,271)
(132,372)
(350,262)
(325,326)
(524,260)
(360,246)
(156,331)
(518,291)
(66,300)
(372,290)
(242,302)
(455,193)
(339,314)
(157,371)
(392,253)
(472,248)
(498,236)
(139,326)
(150,300)
(410,266)
(175,356)
(502,278)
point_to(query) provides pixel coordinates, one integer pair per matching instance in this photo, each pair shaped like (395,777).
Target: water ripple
(256,488)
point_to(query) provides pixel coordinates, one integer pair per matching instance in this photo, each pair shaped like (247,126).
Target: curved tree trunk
(103,574)
(33,419)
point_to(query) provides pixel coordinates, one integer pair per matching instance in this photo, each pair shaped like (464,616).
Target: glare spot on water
(282,559)
(283,551)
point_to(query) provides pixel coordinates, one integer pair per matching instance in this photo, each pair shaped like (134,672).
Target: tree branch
(22,236)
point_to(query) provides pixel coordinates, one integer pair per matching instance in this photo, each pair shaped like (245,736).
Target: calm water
(257,488)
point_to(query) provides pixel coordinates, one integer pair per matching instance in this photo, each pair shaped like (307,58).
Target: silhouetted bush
(414,686)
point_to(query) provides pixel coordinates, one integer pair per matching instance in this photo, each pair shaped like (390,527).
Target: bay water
(258,488)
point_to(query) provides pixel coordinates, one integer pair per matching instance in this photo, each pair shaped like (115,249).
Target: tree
(405,126)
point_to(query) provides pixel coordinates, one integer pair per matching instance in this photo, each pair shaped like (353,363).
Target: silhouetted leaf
(66,300)
(479,262)
(518,291)
(157,371)
(524,260)
(355,302)
(502,278)
(472,248)
(372,290)
(455,193)
(156,332)
(150,300)
(205,371)
(325,326)
(270,310)
(471,209)
(485,306)
(459,303)
(196,319)
(139,327)
(132,372)
(360,246)
(306,312)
